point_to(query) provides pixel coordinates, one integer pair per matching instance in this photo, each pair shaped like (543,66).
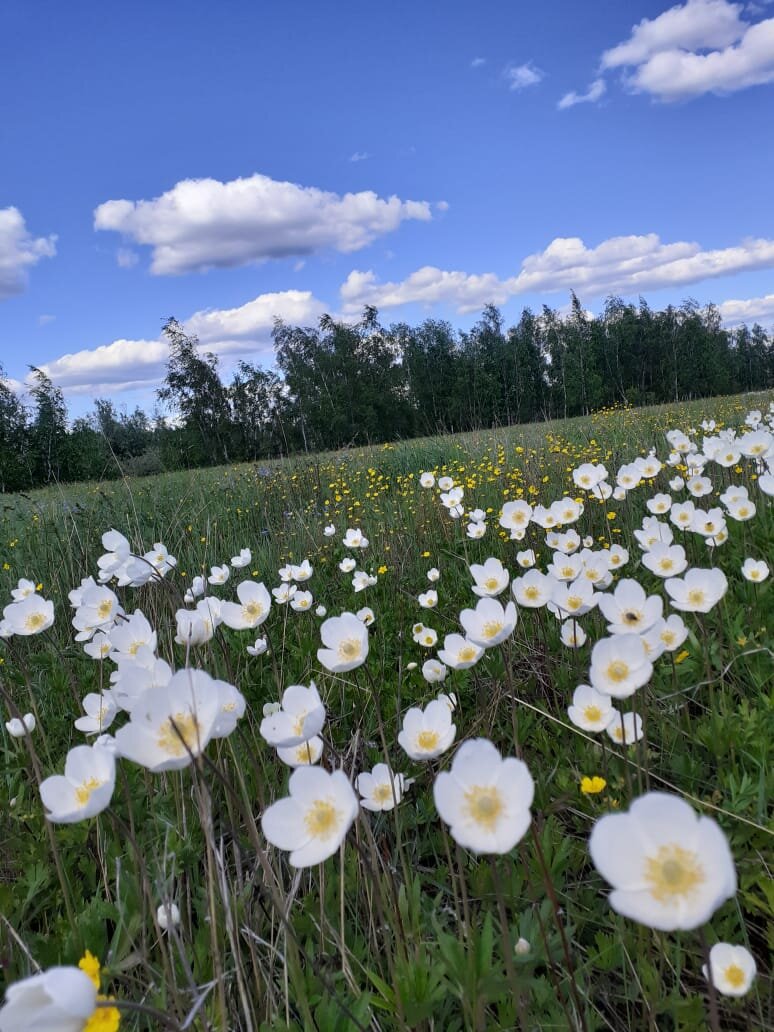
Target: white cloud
(478,62)
(203,223)
(625,264)
(132,364)
(19,251)
(595,91)
(126,258)
(359,156)
(44,320)
(701,46)
(752,310)
(519,77)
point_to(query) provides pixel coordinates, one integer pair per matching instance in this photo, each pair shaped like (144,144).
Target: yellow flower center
(34,622)
(617,671)
(632,617)
(592,713)
(104,609)
(349,649)
(382,794)
(322,819)
(252,610)
(466,654)
(492,629)
(668,637)
(574,602)
(179,734)
(491,584)
(104,1019)
(754,574)
(532,592)
(83,791)
(696,596)
(568,571)
(484,805)
(734,975)
(666,564)
(673,873)
(427,741)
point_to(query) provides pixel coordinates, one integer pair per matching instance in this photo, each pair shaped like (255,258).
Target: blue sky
(227,163)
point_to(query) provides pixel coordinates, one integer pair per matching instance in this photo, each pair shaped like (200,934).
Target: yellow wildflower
(592,786)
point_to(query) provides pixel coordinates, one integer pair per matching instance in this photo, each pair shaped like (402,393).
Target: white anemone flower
(330,530)
(219,574)
(534,589)
(302,601)
(428,599)
(489,623)
(565,567)
(136,675)
(313,820)
(354,538)
(283,593)
(732,969)
(300,717)
(433,671)
(380,789)
(484,798)
(574,599)
(491,578)
(23,589)
(669,868)
(130,634)
(617,556)
(366,614)
(168,916)
(445,483)
(100,709)
(259,646)
(625,728)
(665,560)
(698,591)
(426,480)
(304,755)
(173,724)
(475,530)
(244,558)
(61,999)
(515,515)
(251,610)
(590,709)
(572,634)
(302,572)
(755,570)
(459,653)
(31,615)
(345,639)
(19,727)
(86,787)
(433,574)
(526,558)
(428,732)
(362,580)
(629,609)
(347,565)
(619,665)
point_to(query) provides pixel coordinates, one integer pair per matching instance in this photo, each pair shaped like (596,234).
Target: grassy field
(402,927)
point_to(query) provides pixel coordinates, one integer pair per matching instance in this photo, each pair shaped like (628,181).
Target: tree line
(341,384)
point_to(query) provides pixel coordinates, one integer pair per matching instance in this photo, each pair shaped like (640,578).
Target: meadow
(451,899)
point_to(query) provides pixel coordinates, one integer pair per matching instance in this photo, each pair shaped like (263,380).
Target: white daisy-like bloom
(330,530)
(426,480)
(300,717)
(159,559)
(698,591)
(60,999)
(19,727)
(380,789)
(490,623)
(459,653)
(99,647)
(590,710)
(515,515)
(526,558)
(490,577)
(168,916)
(449,699)
(534,589)
(219,574)
(572,634)
(565,567)
(665,560)
(362,580)
(452,499)
(29,616)
(231,708)
(354,538)
(285,573)
(367,615)
(628,477)
(259,646)
(681,514)
(475,530)
(484,798)
(588,475)
(659,504)
(625,728)
(302,572)
(572,599)
(757,444)
(347,565)
(629,609)
(596,568)
(118,553)
(708,524)
(742,510)
(669,868)
(171,725)
(301,601)
(197,587)
(428,732)
(193,627)
(433,574)
(283,593)
(732,969)
(100,709)
(433,671)
(304,755)
(653,532)
(619,665)
(321,611)
(699,486)
(84,790)
(445,483)
(23,589)
(313,820)
(617,556)
(428,599)
(755,570)
(130,634)
(677,484)
(345,639)
(244,558)
(136,675)
(424,636)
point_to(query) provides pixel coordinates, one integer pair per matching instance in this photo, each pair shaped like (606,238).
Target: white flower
(61,999)
(168,914)
(629,609)
(572,599)
(708,524)
(197,587)
(283,593)
(433,574)
(433,671)
(445,483)
(270,708)
(301,601)
(475,530)
(489,623)
(130,634)
(193,627)
(572,634)
(100,710)
(681,514)
(23,589)
(300,717)
(515,515)
(137,675)
(159,560)
(617,556)
(565,567)
(244,558)
(426,480)
(354,539)
(653,531)
(677,484)
(303,572)
(330,530)
(362,580)
(321,611)
(526,558)
(491,577)
(669,869)
(252,609)
(533,590)
(172,724)
(314,819)
(665,560)
(588,475)
(427,733)
(484,798)
(347,565)
(345,639)
(428,599)
(699,486)
(285,573)
(31,615)
(18,727)
(590,709)
(459,653)
(219,574)
(732,968)
(619,665)
(380,789)
(304,755)
(698,591)
(84,790)
(367,615)
(625,728)
(659,504)
(755,570)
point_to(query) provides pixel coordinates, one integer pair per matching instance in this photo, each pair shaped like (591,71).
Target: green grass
(403,930)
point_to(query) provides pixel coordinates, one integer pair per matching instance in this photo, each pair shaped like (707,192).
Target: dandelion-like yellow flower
(592,786)
(104,1019)
(681,656)
(89,965)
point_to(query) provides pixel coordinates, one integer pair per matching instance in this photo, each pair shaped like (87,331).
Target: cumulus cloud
(204,223)
(478,62)
(595,91)
(19,251)
(125,365)
(519,77)
(624,264)
(752,310)
(359,156)
(702,46)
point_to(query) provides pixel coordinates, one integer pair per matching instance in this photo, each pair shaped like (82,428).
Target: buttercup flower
(669,868)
